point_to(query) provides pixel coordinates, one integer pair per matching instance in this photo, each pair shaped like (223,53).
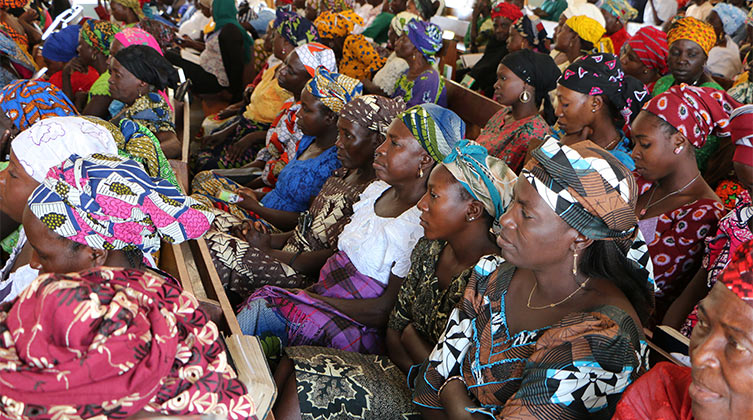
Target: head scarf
(12,4)
(488,179)
(620,8)
(109,202)
(584,8)
(400,21)
(601,74)
(50,141)
(536,69)
(696,112)
(742,134)
(332,89)
(295,29)
(27,101)
(140,144)
(738,275)
(532,30)
(62,45)
(732,17)
(224,13)
(136,36)
(373,112)
(99,34)
(315,55)
(338,5)
(114,341)
(586,28)
(694,30)
(426,37)
(148,65)
(136,5)
(650,45)
(338,24)
(593,193)
(437,129)
(506,10)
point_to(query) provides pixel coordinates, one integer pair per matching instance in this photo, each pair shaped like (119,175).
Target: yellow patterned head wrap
(134,5)
(340,24)
(332,89)
(694,30)
(586,28)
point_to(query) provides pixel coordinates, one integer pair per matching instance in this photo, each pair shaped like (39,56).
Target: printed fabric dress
(574,369)
(151,111)
(427,88)
(508,139)
(362,386)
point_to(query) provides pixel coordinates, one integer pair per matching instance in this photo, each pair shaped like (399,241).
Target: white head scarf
(584,8)
(51,141)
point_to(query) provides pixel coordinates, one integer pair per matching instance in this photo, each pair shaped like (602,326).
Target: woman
(94,50)
(334,26)
(252,259)
(529,34)
(19,23)
(60,48)
(596,100)
(17,61)
(138,72)
(550,332)
(717,383)
(384,80)
(137,142)
(724,58)
(578,37)
(128,12)
(358,285)
(465,196)
(315,157)
(644,56)
(421,82)
(617,13)
(357,58)
(524,80)
(33,152)
(676,207)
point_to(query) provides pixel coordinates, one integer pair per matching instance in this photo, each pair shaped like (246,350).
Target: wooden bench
(475,109)
(664,341)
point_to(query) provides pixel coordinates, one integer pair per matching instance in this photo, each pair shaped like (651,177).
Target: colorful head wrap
(593,193)
(536,69)
(437,129)
(620,8)
(373,112)
(13,4)
(601,74)
(51,141)
(334,90)
(584,8)
(488,179)
(99,34)
(115,341)
(140,144)
(338,24)
(295,29)
(136,36)
(650,45)
(315,55)
(695,111)
(136,5)
(108,202)
(426,37)
(738,275)
(694,30)
(400,21)
(533,30)
(586,28)
(732,17)
(506,10)
(27,101)
(62,45)
(742,134)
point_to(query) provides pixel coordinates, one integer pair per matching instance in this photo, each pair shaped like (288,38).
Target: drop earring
(420,172)
(575,263)
(678,149)
(525,97)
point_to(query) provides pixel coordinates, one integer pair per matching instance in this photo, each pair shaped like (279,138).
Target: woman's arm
(283,220)
(98,106)
(416,345)
(679,310)
(231,48)
(396,350)
(170,144)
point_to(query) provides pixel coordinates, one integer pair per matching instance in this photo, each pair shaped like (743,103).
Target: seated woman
(314,160)
(33,152)
(138,72)
(334,26)
(617,13)
(60,48)
(94,50)
(644,56)
(596,100)
(19,24)
(524,80)
(466,194)
(421,83)
(527,33)
(724,59)
(294,259)
(356,57)
(384,80)
(16,63)
(716,386)
(349,305)
(578,36)
(567,349)
(677,208)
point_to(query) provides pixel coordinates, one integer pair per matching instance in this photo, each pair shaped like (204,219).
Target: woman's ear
(597,102)
(98,256)
(475,210)
(581,242)
(427,163)
(331,117)
(679,141)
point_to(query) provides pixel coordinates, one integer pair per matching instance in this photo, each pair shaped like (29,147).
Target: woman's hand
(249,200)
(29,16)
(75,64)
(229,111)
(237,150)
(256,234)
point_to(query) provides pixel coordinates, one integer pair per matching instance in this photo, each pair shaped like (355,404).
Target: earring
(575,263)
(420,172)
(593,110)
(678,150)
(470,219)
(525,97)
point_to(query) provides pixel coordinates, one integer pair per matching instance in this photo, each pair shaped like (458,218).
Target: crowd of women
(391,266)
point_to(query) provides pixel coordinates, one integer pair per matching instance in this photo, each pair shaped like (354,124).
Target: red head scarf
(506,10)
(738,276)
(650,45)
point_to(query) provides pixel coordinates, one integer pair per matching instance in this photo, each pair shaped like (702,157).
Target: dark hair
(606,260)
(148,66)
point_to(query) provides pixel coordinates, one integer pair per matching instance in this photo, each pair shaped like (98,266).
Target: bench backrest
(475,109)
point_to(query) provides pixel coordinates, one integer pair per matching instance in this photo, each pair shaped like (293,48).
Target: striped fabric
(650,45)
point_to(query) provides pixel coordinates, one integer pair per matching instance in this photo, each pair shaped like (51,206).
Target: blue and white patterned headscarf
(427,37)
(732,17)
(437,129)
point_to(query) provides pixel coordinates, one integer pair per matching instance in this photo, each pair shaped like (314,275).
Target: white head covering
(584,8)
(51,141)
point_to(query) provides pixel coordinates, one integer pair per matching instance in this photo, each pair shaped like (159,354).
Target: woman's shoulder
(609,321)
(699,210)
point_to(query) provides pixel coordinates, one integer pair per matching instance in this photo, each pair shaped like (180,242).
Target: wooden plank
(475,109)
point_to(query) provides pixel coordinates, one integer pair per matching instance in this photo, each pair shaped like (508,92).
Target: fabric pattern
(360,58)
(19,37)
(313,55)
(141,145)
(99,34)
(295,29)
(332,24)
(283,137)
(694,30)
(62,45)
(12,4)
(136,5)
(506,10)
(586,28)
(531,28)
(732,17)
(426,37)
(386,78)
(136,36)
(741,119)
(650,45)
(437,129)
(373,112)
(428,88)
(620,8)
(508,139)
(206,187)
(27,101)
(400,21)
(661,393)
(332,89)
(151,111)
(738,276)
(149,347)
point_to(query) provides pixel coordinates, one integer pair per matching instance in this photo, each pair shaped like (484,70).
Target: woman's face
(721,357)
(686,60)
(612,23)
(122,13)
(355,144)
(508,87)
(528,224)
(281,47)
(573,111)
(124,86)
(565,37)
(15,188)
(653,150)
(404,48)
(443,206)
(631,64)
(400,157)
(293,75)
(51,252)
(501,28)
(85,51)
(516,41)
(314,117)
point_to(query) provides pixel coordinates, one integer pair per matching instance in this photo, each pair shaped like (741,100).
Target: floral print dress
(508,139)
